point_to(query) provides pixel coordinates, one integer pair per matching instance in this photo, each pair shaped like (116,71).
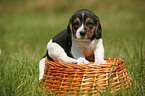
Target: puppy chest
(87,47)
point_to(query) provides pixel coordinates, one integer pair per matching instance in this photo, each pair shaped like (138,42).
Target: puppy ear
(69,28)
(98,32)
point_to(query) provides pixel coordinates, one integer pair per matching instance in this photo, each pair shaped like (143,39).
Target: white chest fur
(83,47)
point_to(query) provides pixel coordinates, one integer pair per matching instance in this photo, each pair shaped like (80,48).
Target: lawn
(24,34)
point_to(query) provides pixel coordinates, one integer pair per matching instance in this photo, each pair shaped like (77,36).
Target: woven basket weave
(62,78)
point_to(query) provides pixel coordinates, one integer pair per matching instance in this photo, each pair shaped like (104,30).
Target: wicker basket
(62,78)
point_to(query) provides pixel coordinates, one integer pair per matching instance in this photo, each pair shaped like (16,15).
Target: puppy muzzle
(83,33)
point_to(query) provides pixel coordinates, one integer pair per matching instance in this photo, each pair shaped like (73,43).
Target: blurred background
(27,25)
(25,22)
(37,6)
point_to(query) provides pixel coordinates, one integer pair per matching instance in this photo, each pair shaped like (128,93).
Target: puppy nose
(82,33)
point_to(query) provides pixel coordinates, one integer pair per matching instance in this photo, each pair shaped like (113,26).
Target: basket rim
(110,62)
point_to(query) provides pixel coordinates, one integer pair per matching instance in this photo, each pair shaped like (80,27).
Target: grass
(25,32)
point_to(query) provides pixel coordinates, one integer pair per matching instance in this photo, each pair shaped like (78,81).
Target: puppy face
(85,25)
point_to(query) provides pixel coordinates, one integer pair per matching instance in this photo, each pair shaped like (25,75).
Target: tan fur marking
(88,20)
(77,20)
(70,25)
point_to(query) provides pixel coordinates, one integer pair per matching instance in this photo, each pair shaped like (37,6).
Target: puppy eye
(76,24)
(89,24)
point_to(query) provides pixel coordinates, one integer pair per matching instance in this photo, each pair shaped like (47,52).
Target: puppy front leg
(41,68)
(57,53)
(99,53)
(79,56)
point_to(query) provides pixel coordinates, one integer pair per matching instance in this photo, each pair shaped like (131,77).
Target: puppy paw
(100,61)
(83,61)
(70,60)
(66,60)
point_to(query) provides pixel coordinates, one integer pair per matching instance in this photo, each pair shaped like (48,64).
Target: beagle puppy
(80,43)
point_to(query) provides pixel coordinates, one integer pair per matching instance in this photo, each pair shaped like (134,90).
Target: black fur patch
(64,40)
